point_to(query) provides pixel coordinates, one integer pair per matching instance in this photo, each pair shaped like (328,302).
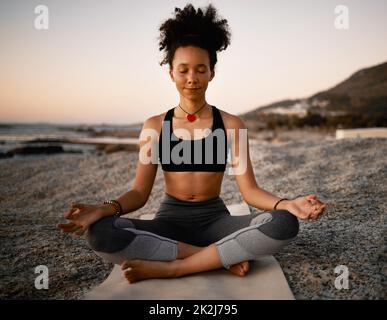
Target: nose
(192,78)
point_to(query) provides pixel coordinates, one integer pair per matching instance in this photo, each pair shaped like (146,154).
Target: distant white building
(361,132)
(297,109)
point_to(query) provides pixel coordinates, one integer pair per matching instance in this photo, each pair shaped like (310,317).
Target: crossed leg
(205,259)
(187,250)
(267,235)
(119,241)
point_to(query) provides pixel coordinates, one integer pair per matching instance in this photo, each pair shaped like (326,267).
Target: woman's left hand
(307,207)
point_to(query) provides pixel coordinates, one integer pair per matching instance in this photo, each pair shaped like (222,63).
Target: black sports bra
(208,154)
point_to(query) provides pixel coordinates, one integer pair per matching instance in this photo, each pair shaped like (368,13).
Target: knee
(104,236)
(283,225)
(98,233)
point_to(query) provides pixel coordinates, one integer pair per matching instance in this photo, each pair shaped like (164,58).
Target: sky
(98,61)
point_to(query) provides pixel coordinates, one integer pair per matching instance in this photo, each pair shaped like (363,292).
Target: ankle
(185,250)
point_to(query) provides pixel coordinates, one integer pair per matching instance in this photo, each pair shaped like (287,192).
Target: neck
(192,106)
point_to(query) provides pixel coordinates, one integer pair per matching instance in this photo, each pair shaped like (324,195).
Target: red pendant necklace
(191,116)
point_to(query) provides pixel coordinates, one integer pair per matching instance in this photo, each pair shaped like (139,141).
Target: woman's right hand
(81,216)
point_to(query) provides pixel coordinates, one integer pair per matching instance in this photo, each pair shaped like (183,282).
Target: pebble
(349,175)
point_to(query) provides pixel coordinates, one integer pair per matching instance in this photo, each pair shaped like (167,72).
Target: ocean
(13,135)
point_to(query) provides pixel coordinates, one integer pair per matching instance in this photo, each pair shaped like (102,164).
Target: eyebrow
(198,65)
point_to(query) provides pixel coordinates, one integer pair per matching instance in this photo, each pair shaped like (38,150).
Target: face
(191,69)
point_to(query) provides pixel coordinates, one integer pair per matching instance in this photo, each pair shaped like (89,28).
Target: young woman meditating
(192,231)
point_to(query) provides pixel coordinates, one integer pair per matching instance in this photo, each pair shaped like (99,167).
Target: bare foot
(136,270)
(240,269)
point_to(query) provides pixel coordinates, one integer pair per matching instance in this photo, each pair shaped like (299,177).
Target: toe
(126,264)
(245,266)
(128,276)
(237,270)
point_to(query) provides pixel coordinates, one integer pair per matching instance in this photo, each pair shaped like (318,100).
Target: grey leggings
(237,238)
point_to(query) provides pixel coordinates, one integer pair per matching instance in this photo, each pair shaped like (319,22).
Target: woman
(192,230)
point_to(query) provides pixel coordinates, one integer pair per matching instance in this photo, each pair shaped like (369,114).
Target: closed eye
(186,71)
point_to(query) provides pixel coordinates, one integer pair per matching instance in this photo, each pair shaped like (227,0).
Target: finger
(313,216)
(311,197)
(60,225)
(65,225)
(316,216)
(77,209)
(314,200)
(73,213)
(72,230)
(317,213)
(69,213)
(316,210)
(310,210)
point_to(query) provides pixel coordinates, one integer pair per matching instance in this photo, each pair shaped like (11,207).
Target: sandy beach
(349,175)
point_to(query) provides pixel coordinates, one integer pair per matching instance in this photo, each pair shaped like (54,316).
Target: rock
(41,140)
(36,150)
(4,155)
(111,148)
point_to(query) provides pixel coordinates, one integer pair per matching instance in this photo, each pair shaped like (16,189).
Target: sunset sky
(99,60)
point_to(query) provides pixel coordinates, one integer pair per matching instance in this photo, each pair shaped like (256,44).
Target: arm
(81,216)
(244,175)
(145,173)
(303,207)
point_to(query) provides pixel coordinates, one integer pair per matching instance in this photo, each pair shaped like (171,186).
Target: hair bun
(194,27)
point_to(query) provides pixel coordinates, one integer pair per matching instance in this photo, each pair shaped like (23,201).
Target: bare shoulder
(232,121)
(155,122)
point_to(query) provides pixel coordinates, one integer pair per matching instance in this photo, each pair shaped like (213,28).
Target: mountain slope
(359,101)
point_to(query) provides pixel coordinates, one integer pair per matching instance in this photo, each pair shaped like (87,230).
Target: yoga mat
(264,281)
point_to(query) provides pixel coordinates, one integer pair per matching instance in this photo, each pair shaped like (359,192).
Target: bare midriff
(193,186)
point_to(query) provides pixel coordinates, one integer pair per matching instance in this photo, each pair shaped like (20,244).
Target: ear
(171,75)
(212,75)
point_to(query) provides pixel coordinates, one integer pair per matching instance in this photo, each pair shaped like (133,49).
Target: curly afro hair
(198,28)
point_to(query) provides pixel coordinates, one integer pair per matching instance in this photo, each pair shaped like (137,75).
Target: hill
(357,102)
